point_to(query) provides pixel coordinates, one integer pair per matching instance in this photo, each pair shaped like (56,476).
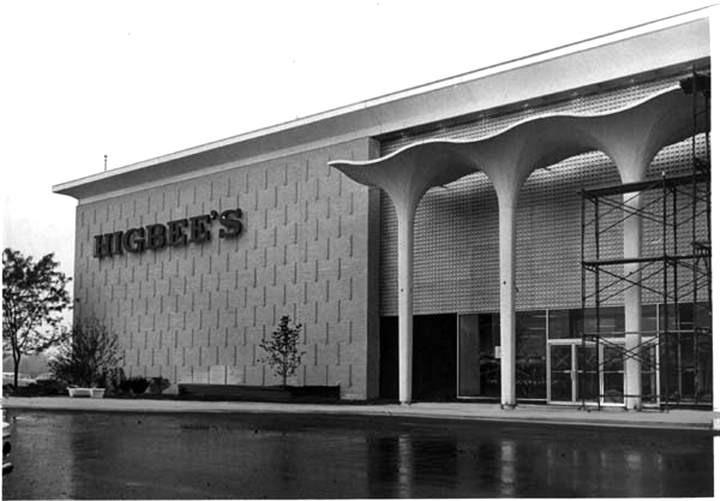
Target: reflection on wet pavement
(160,456)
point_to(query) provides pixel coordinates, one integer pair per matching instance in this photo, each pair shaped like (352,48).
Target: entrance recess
(434,357)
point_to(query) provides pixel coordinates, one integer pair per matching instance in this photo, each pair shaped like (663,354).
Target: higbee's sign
(197,229)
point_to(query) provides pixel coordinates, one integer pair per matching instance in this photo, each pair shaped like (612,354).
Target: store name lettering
(197,229)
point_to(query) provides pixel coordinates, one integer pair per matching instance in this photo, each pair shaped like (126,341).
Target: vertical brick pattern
(198,313)
(456,228)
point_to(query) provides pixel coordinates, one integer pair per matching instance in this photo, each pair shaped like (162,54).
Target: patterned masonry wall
(198,313)
(456,229)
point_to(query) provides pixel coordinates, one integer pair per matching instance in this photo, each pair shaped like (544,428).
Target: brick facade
(197,313)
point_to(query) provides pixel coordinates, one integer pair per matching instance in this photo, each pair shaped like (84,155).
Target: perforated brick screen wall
(456,242)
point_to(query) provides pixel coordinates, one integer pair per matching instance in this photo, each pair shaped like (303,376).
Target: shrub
(88,357)
(158,385)
(50,387)
(114,379)
(135,384)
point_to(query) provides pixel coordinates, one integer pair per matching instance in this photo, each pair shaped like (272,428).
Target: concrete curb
(673,420)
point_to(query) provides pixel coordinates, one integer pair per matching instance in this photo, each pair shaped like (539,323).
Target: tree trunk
(16,359)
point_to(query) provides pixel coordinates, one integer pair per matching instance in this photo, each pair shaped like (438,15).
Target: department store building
(536,231)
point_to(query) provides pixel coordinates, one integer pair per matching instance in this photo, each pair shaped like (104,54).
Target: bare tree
(89,357)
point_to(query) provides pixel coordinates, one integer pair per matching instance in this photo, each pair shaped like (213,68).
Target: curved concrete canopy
(631,137)
(405,177)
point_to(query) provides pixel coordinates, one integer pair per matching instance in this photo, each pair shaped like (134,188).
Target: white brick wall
(197,313)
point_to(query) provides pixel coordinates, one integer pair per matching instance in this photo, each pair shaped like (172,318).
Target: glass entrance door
(587,372)
(612,369)
(562,373)
(573,372)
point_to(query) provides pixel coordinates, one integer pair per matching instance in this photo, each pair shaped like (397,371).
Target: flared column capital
(631,137)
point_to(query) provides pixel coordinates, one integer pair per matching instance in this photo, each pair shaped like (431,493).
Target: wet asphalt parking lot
(103,455)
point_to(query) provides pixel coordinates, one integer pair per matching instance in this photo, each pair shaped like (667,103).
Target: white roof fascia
(678,40)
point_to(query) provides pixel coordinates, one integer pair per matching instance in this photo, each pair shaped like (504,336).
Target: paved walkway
(552,415)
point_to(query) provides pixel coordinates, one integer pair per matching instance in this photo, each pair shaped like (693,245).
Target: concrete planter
(259,393)
(86,392)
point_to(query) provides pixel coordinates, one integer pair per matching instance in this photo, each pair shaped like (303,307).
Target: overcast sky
(138,79)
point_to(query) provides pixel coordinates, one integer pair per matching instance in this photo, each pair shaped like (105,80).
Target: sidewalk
(551,415)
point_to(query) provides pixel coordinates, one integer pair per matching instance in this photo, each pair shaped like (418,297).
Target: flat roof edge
(73,188)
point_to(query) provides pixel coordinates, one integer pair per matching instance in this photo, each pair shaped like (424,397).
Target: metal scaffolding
(673,272)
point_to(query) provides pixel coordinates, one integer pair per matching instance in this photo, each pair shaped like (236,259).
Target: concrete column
(406,232)
(633,303)
(507,211)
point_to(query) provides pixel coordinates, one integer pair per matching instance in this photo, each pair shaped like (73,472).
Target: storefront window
(687,313)
(649,324)
(479,362)
(563,324)
(567,324)
(613,371)
(479,365)
(605,321)
(648,359)
(530,354)
(686,353)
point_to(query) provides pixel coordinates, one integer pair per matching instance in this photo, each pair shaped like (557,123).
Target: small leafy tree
(281,349)
(88,358)
(34,297)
